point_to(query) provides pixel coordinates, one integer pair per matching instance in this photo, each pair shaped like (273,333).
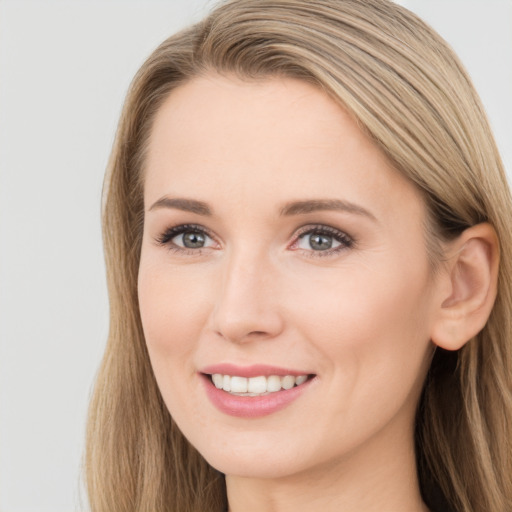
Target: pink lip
(252,406)
(255,370)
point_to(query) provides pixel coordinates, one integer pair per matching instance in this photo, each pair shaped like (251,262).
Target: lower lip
(252,406)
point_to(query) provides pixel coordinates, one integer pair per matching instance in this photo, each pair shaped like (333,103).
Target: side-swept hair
(409,92)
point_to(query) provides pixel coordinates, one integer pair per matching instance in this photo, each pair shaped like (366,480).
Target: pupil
(320,242)
(193,240)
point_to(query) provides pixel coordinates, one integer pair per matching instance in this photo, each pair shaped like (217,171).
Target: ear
(467,287)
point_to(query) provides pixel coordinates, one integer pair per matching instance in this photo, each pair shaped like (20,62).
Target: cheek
(173,307)
(370,324)
(173,310)
(370,333)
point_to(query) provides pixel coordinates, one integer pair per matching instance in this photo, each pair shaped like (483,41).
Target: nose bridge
(245,307)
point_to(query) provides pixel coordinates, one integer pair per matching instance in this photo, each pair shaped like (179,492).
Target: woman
(306,229)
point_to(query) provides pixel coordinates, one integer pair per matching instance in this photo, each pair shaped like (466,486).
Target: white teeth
(226,383)
(218,380)
(255,386)
(238,384)
(273,383)
(288,382)
(300,380)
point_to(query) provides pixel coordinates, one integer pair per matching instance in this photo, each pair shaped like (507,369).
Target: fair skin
(344,294)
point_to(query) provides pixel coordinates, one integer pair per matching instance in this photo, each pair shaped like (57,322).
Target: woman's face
(280,244)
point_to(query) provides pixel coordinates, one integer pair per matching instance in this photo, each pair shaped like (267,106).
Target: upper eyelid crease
(304,230)
(180,229)
(346,240)
(335,233)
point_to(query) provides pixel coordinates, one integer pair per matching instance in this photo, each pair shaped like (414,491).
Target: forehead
(261,142)
(273,114)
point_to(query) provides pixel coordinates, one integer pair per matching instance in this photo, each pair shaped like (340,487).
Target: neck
(379,477)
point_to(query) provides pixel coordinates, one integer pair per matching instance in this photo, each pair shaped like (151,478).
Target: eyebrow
(316,205)
(289,209)
(179,203)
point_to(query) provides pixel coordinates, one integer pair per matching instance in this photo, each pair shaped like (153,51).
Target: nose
(246,307)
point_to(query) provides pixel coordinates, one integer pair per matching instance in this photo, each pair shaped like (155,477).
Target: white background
(64,69)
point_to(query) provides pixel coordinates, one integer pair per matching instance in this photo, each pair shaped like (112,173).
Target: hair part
(408,91)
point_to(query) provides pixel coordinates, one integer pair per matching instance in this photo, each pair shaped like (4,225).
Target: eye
(322,241)
(190,240)
(186,238)
(317,242)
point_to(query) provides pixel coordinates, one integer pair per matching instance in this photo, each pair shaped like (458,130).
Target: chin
(252,467)
(259,454)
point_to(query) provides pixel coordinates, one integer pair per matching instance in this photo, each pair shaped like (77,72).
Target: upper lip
(254,370)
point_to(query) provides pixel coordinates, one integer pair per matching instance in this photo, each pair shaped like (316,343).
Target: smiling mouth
(256,386)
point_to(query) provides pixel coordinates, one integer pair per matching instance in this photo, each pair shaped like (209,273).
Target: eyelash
(165,239)
(345,241)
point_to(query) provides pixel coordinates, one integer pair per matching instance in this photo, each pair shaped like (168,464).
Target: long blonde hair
(410,93)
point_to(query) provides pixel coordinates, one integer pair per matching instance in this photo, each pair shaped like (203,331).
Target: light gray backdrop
(64,68)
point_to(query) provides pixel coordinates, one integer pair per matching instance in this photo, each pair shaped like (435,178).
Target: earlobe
(468,288)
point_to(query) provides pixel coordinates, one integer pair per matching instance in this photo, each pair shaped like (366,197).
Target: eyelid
(320,227)
(346,241)
(165,238)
